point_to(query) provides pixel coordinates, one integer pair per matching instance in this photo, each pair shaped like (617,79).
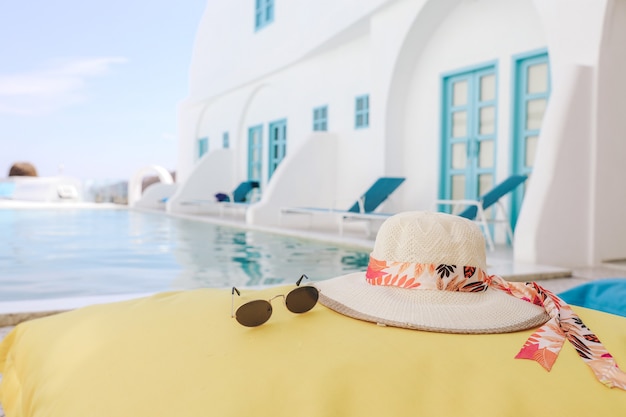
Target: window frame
(320,119)
(362,111)
(263,13)
(277,144)
(202,147)
(255,152)
(472,138)
(519,133)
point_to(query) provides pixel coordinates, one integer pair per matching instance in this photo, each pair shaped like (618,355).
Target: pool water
(64,253)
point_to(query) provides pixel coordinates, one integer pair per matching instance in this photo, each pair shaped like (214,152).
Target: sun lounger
(239,197)
(239,194)
(362,209)
(475,209)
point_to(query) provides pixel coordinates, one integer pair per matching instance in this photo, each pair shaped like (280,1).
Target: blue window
(255,150)
(278,144)
(263,13)
(320,118)
(225,140)
(362,112)
(203,146)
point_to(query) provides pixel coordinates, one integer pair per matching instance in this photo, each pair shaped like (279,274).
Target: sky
(90,88)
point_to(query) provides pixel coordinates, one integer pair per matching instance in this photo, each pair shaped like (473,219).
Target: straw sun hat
(428,272)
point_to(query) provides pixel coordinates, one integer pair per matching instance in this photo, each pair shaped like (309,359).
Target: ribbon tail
(544,356)
(545,344)
(607,372)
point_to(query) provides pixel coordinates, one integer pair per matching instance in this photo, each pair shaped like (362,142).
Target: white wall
(155,196)
(574,215)
(471,33)
(397,59)
(219,115)
(308,178)
(552,226)
(299,27)
(136,182)
(188,115)
(327,52)
(609,198)
(333,77)
(44,189)
(211,175)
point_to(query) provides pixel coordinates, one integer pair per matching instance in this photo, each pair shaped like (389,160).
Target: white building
(324,97)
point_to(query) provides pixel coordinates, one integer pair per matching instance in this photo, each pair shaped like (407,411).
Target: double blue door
(469,133)
(277,148)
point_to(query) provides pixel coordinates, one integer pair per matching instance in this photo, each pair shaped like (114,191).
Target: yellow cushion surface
(181,354)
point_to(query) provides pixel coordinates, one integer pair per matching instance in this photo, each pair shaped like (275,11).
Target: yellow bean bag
(181,354)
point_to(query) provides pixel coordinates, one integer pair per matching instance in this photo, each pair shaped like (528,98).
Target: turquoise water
(71,253)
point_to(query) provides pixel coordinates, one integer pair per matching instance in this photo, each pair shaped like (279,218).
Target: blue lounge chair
(375,195)
(363,208)
(475,209)
(239,197)
(240,194)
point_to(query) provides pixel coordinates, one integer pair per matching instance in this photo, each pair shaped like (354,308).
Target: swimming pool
(46,254)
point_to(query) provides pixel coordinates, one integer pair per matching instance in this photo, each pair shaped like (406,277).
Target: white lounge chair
(475,209)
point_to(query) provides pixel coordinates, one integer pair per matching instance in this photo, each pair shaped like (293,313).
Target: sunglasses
(256,312)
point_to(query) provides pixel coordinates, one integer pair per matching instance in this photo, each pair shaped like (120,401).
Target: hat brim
(491,311)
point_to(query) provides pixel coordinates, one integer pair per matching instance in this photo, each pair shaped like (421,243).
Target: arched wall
(299,28)
(189,113)
(295,185)
(208,118)
(397,51)
(556,201)
(419,186)
(447,36)
(609,239)
(212,174)
(343,72)
(574,217)
(267,103)
(219,116)
(155,196)
(135,183)
(333,77)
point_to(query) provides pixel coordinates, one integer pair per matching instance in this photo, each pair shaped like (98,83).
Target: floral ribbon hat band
(428,272)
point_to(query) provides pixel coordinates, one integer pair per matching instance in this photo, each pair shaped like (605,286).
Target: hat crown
(430,238)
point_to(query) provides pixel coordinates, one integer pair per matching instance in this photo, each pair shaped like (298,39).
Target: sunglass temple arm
(232,301)
(300,280)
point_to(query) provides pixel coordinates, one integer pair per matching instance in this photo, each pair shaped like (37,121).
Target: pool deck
(12,204)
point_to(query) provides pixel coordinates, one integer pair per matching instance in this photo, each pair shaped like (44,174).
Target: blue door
(531,93)
(278,144)
(255,151)
(468,133)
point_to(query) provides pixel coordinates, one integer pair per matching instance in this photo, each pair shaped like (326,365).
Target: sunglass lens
(302,299)
(254,313)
